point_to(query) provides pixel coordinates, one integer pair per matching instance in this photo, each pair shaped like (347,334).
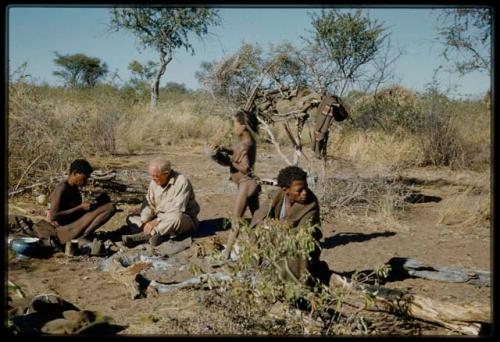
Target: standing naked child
(72,217)
(241,163)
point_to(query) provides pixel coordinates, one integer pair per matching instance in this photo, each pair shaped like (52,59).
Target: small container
(97,248)
(26,246)
(71,248)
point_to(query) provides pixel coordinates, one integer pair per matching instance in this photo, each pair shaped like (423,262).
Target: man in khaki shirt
(169,209)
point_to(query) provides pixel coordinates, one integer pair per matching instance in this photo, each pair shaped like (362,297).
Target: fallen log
(466,319)
(418,269)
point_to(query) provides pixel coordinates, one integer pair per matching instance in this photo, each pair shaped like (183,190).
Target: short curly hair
(289,174)
(81,166)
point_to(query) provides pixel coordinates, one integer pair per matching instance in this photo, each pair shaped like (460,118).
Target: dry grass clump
(471,208)
(439,139)
(440,131)
(375,150)
(172,123)
(374,201)
(46,134)
(33,144)
(454,133)
(473,124)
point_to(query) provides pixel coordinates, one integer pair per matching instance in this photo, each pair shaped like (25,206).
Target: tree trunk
(466,319)
(155,84)
(415,268)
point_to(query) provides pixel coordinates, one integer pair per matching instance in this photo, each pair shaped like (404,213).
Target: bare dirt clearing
(430,232)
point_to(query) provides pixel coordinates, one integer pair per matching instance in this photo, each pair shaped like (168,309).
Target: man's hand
(149,226)
(85,206)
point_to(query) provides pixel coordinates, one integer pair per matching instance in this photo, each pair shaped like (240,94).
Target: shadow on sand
(341,239)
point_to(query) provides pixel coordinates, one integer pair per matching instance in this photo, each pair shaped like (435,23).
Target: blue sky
(34,34)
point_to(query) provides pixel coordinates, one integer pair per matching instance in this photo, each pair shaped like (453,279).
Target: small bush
(49,127)
(257,278)
(35,143)
(451,133)
(391,108)
(439,138)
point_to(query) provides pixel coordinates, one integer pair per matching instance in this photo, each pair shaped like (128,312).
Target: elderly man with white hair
(169,209)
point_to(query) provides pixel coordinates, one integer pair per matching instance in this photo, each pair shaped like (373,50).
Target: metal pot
(27,246)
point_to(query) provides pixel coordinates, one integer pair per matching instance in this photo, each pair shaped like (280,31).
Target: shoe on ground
(156,240)
(134,239)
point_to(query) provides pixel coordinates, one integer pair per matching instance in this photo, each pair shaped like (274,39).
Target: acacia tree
(164,29)
(345,48)
(79,70)
(466,35)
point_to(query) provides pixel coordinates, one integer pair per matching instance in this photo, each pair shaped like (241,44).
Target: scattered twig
(26,171)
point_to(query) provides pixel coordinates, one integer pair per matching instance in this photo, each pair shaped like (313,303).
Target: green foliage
(164,28)
(349,40)
(344,44)
(143,72)
(142,75)
(466,34)
(234,76)
(79,70)
(345,48)
(174,87)
(258,274)
(288,70)
(257,253)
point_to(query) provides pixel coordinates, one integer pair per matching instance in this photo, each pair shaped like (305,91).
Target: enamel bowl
(27,246)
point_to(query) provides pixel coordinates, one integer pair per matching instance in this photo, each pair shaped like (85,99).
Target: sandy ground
(348,245)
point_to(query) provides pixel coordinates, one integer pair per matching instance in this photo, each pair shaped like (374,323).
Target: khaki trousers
(176,224)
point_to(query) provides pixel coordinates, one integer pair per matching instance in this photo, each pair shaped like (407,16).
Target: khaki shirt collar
(171,182)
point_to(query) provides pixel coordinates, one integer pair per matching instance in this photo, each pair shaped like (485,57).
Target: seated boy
(73,217)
